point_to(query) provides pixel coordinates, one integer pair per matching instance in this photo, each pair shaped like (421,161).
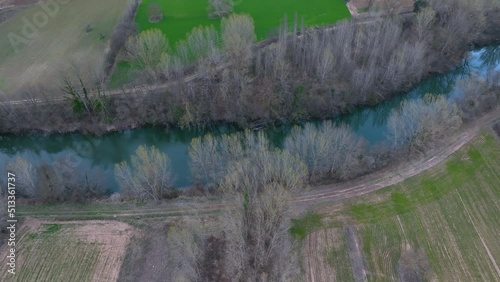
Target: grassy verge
(305,225)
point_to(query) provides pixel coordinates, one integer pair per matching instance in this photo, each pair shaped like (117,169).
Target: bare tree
(26,177)
(420,122)
(256,227)
(203,43)
(149,175)
(424,22)
(325,64)
(123,29)
(403,63)
(479,95)
(459,20)
(220,8)
(50,183)
(237,36)
(212,157)
(327,150)
(205,160)
(186,250)
(202,46)
(146,50)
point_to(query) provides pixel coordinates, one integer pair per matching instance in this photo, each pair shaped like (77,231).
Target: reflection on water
(490,57)
(103,152)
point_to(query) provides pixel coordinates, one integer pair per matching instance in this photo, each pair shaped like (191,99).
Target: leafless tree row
(211,158)
(329,151)
(58,181)
(419,122)
(259,246)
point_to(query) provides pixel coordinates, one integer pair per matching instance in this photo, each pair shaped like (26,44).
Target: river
(101,153)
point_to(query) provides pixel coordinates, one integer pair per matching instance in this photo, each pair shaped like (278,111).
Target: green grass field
(57,41)
(181,16)
(450,213)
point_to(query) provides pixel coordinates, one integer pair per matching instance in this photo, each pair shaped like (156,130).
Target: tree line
(302,73)
(330,151)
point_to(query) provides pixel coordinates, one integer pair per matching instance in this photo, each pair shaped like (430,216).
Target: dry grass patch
(74,34)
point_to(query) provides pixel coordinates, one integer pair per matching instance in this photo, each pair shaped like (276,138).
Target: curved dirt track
(393,175)
(319,194)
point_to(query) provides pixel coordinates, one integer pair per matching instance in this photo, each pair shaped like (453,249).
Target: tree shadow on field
(147,255)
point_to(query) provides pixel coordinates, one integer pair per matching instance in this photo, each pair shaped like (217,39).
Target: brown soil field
(68,250)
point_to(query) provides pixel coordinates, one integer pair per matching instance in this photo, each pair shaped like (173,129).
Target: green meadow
(181,16)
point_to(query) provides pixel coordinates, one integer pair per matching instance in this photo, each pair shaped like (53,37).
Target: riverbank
(183,206)
(77,154)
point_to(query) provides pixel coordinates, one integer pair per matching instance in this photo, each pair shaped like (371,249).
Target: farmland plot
(442,224)
(69,251)
(326,256)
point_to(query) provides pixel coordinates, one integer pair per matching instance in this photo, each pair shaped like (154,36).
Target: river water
(101,153)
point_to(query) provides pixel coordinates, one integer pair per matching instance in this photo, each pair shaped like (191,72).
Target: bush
(220,8)
(155,13)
